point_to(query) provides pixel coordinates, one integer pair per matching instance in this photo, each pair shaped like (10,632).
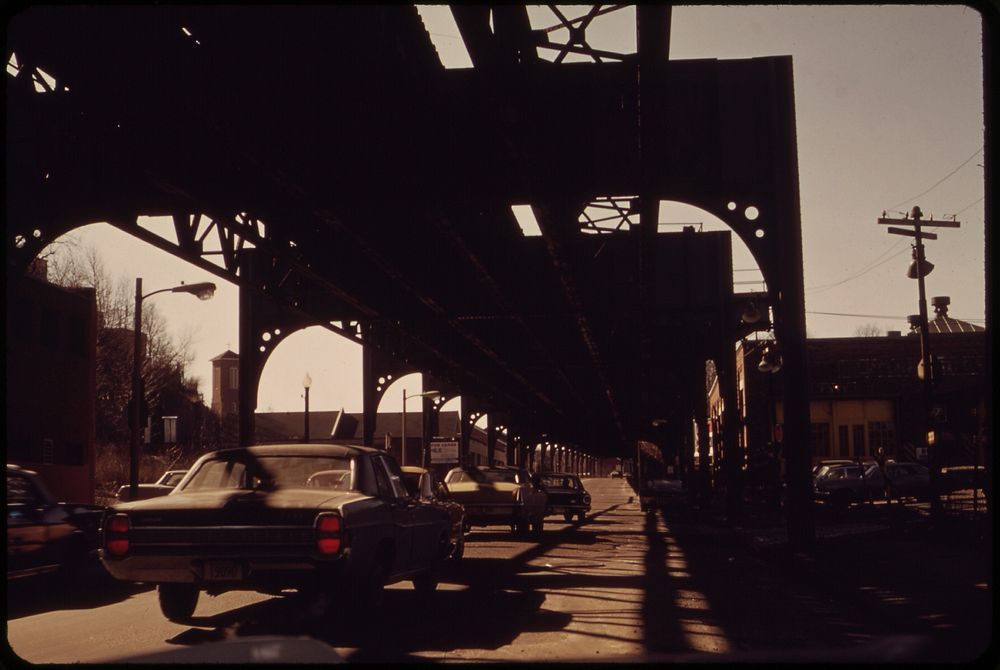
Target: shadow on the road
(496,600)
(91,587)
(850,594)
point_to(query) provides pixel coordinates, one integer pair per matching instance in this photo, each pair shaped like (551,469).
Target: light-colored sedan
(164,485)
(498,496)
(261,518)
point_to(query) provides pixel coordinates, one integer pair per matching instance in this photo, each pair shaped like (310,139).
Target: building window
(819,439)
(216,378)
(169,429)
(859,440)
(881,435)
(234,378)
(845,448)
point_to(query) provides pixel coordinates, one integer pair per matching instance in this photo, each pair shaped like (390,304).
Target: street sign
(444,452)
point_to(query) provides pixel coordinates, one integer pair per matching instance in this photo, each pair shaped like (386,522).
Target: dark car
(498,496)
(44,535)
(901,480)
(424,485)
(840,486)
(566,495)
(251,519)
(164,485)
(661,494)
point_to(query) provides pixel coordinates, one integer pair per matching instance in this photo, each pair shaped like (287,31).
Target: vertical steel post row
(732,457)
(652,45)
(249,365)
(491,440)
(426,414)
(369,399)
(790,311)
(465,410)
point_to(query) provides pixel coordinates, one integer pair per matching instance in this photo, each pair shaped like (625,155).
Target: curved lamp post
(425,394)
(204,291)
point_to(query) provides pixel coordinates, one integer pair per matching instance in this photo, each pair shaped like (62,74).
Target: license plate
(223,571)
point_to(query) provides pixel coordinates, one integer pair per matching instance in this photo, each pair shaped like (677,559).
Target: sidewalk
(877,572)
(762,525)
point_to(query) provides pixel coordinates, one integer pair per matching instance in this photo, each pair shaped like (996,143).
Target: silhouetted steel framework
(323,159)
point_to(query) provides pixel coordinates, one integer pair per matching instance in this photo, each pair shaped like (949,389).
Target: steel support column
(732,456)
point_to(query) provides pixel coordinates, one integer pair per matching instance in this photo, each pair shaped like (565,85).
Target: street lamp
(426,394)
(306,383)
(204,291)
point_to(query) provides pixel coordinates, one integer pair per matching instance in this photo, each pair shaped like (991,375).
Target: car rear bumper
(567,509)
(228,572)
(495,515)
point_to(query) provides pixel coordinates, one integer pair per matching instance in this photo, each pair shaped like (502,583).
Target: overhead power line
(881,316)
(940,181)
(871,266)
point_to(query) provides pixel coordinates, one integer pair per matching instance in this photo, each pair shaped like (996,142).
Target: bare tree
(868,330)
(164,358)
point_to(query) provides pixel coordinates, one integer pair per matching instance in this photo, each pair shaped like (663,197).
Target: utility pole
(919,268)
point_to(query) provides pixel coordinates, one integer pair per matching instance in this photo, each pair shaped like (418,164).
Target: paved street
(620,586)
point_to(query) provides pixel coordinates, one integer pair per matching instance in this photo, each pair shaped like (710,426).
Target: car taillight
(329,534)
(116,542)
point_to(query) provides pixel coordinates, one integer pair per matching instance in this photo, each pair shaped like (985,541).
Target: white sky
(889,115)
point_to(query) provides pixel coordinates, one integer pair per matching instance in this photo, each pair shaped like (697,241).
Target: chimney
(940,304)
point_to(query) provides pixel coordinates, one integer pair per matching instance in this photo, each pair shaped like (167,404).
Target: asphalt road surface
(619,586)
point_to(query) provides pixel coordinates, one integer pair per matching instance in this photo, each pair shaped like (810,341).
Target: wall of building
(864,394)
(51,382)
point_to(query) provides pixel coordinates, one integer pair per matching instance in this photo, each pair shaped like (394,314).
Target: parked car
(958,477)
(566,495)
(905,480)
(424,485)
(661,494)
(830,463)
(840,486)
(247,519)
(616,474)
(43,534)
(498,496)
(164,485)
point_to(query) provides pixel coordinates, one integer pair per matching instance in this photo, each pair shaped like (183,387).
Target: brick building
(51,381)
(865,394)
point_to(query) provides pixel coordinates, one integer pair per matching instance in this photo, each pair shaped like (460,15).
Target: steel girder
(357,184)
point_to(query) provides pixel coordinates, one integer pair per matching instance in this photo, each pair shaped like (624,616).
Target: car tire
(371,593)
(177,601)
(459,549)
(520,527)
(568,516)
(425,583)
(538,526)
(840,501)
(581,516)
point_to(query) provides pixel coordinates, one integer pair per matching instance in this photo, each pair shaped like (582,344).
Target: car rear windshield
(555,482)
(245,471)
(507,476)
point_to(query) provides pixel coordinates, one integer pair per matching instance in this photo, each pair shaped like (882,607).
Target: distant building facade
(226,384)
(864,395)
